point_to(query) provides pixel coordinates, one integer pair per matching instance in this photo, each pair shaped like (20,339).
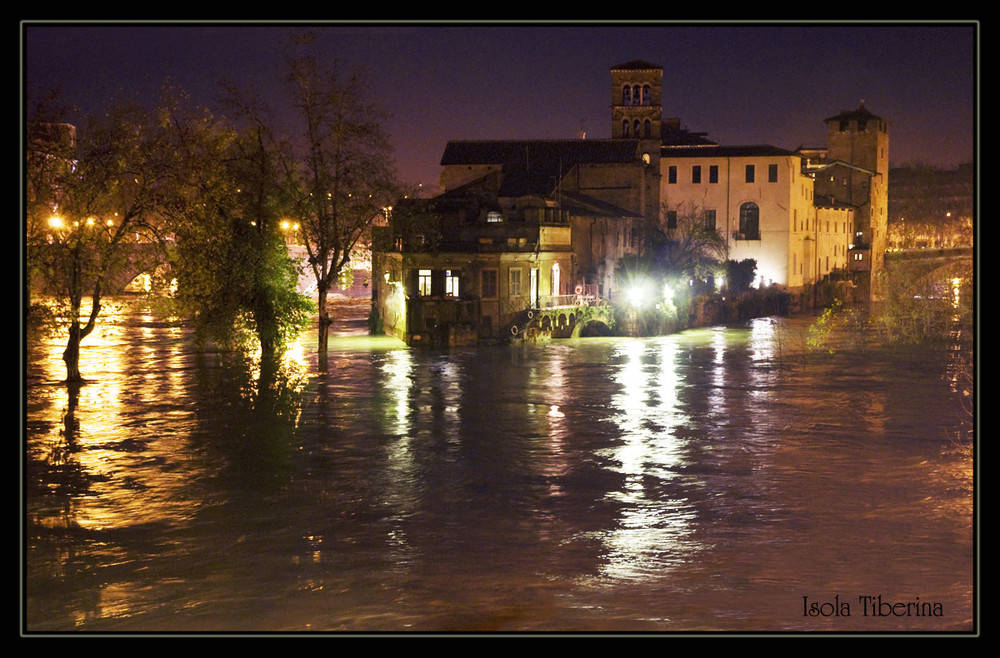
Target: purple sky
(741,84)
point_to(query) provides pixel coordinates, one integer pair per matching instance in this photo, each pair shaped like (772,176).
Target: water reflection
(705,480)
(654,534)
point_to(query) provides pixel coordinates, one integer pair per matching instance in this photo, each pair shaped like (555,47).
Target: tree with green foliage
(235,277)
(92,202)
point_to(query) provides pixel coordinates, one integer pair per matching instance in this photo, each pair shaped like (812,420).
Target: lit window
(451,280)
(424,279)
(494,217)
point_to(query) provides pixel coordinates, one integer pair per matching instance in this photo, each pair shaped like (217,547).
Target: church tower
(637,113)
(859,142)
(636,110)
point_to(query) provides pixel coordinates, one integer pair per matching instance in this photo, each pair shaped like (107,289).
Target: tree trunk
(323,325)
(71,355)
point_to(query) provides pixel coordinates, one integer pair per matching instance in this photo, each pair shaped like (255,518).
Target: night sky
(741,84)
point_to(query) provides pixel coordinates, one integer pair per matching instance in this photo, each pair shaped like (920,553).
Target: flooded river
(715,480)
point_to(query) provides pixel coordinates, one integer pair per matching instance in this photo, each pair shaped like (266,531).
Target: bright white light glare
(668,292)
(636,295)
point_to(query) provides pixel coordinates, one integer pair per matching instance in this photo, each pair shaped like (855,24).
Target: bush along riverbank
(716,309)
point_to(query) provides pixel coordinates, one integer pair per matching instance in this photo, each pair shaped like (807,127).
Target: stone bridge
(585,318)
(921,266)
(141,258)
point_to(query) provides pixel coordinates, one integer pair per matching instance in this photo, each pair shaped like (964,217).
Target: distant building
(521,225)
(525,224)
(931,208)
(853,171)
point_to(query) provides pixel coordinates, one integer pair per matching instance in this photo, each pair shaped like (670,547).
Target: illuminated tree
(688,243)
(235,278)
(345,177)
(93,198)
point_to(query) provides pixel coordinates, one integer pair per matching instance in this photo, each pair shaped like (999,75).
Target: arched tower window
(645,95)
(637,128)
(635,95)
(626,95)
(750,221)
(648,129)
(625,128)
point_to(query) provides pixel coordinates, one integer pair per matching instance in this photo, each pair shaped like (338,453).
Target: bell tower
(637,114)
(636,110)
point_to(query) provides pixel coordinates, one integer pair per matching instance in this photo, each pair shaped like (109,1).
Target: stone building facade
(522,224)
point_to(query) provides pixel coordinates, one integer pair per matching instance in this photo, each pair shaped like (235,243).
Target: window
(645,95)
(713,173)
(488,288)
(626,95)
(424,280)
(671,219)
(494,217)
(671,174)
(648,129)
(635,95)
(772,173)
(750,221)
(749,173)
(451,281)
(625,127)
(515,282)
(710,220)
(555,279)
(696,174)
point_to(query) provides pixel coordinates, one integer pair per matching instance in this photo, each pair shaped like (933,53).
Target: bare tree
(346,176)
(691,244)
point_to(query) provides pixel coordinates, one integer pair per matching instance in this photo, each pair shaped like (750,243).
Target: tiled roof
(534,166)
(853,115)
(635,65)
(717,151)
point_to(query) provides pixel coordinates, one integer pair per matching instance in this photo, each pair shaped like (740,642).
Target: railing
(584,298)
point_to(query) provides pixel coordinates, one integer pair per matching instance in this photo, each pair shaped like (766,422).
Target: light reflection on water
(701,481)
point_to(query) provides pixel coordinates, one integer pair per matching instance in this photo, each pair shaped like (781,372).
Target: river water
(719,479)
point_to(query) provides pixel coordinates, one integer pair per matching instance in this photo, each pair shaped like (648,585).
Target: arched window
(635,95)
(625,128)
(637,128)
(626,95)
(750,221)
(645,95)
(648,129)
